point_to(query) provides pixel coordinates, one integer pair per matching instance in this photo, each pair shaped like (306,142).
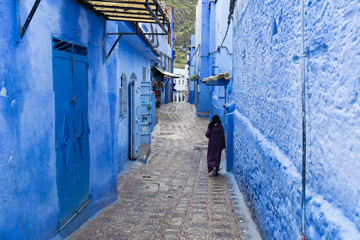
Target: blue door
(71,132)
(64,140)
(135,129)
(146,112)
(81,130)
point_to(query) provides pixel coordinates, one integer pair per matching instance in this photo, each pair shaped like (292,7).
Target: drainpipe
(303,95)
(229,126)
(211,1)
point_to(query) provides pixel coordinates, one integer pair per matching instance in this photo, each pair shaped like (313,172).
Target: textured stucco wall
(333,41)
(267,91)
(28,189)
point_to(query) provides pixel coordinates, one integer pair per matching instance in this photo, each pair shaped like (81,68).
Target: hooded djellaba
(216,135)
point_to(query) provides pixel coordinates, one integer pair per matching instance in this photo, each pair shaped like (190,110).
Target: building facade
(292,114)
(181,89)
(192,71)
(164,44)
(66,106)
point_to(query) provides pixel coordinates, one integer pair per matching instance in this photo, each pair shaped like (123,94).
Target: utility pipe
(211,1)
(303,95)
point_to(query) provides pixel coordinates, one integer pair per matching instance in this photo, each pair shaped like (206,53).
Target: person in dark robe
(216,135)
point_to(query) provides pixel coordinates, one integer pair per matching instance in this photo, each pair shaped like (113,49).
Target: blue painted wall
(211,53)
(192,84)
(28,202)
(268,119)
(153,111)
(220,53)
(202,39)
(131,55)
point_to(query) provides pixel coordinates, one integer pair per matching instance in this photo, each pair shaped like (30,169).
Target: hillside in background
(184,11)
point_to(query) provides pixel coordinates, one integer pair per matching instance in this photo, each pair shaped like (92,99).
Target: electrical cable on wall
(230,17)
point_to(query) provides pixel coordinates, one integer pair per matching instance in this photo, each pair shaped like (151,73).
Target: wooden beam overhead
(131,19)
(131,15)
(133,5)
(121,10)
(148,11)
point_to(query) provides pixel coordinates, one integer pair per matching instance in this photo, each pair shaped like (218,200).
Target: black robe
(216,137)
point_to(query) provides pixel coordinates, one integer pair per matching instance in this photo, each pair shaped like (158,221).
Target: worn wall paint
(28,195)
(267,90)
(332,33)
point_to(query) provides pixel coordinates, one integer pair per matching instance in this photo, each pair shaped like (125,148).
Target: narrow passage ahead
(173,196)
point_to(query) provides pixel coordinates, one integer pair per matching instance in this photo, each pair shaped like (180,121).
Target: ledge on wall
(195,78)
(221,79)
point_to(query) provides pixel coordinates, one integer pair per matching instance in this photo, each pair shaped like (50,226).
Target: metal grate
(123,97)
(69,47)
(144,73)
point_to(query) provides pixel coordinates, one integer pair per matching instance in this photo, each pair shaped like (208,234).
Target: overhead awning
(147,11)
(166,74)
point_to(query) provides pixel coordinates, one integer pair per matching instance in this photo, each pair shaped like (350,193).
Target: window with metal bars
(144,73)
(73,48)
(123,98)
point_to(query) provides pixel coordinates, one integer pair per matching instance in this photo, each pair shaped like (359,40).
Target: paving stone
(172,196)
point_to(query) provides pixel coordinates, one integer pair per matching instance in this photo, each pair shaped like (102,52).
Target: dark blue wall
(28,190)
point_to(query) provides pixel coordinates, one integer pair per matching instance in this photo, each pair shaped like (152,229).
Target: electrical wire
(230,17)
(226,33)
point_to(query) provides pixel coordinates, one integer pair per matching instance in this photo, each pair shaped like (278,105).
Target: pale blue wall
(220,53)
(130,56)
(268,118)
(211,53)
(192,84)
(28,192)
(202,40)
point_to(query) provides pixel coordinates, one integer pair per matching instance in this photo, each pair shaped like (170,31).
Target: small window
(69,47)
(123,102)
(144,73)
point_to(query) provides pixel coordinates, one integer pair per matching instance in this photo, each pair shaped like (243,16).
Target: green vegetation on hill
(185,11)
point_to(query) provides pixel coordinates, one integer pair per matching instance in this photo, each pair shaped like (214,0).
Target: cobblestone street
(173,196)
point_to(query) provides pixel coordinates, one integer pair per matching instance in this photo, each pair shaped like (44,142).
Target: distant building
(181,89)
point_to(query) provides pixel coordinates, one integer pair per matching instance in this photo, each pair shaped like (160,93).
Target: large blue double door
(71,134)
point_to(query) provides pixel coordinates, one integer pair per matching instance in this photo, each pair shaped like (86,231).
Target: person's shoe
(214,172)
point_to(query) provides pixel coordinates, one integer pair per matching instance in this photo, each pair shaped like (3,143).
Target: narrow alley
(104,105)
(172,196)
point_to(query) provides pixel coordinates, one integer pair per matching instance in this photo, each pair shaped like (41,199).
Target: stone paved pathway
(172,196)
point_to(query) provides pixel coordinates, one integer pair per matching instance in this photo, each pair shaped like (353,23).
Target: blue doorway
(70,67)
(146,112)
(135,118)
